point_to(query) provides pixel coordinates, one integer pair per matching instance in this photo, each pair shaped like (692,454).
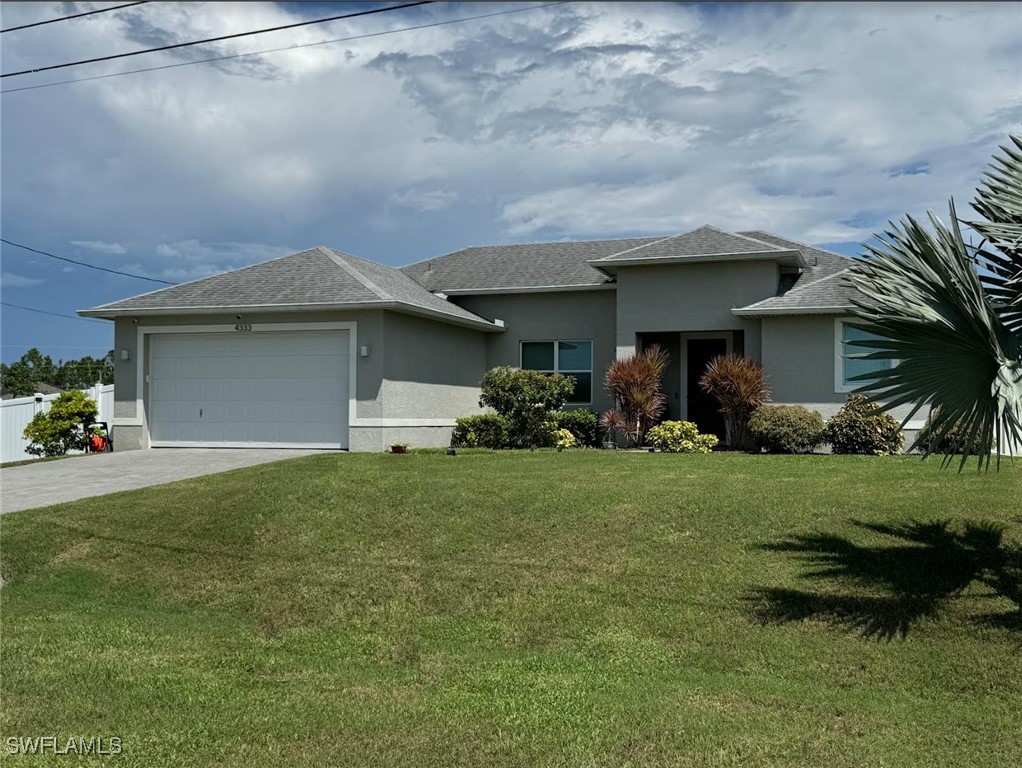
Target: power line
(45,312)
(280,50)
(216,39)
(75,16)
(83,264)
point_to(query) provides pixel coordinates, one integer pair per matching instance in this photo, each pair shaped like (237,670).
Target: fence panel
(17,413)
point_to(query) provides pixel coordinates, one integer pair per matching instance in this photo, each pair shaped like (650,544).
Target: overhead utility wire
(214,39)
(279,50)
(73,16)
(45,312)
(84,264)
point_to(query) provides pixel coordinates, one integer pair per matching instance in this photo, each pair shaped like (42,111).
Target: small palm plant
(635,384)
(950,313)
(738,384)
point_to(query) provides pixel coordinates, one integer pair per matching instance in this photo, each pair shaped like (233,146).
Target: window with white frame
(569,358)
(849,359)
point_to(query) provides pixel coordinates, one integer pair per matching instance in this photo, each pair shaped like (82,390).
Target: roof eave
(787,257)
(605,286)
(112,313)
(754,311)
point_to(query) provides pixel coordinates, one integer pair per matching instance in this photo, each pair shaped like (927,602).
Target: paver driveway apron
(53,482)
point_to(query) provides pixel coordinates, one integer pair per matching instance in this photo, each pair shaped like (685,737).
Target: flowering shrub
(563,438)
(680,437)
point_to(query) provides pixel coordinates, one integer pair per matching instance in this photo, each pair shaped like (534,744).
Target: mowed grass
(582,608)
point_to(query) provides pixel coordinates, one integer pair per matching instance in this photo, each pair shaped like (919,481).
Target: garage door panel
(253,367)
(255,388)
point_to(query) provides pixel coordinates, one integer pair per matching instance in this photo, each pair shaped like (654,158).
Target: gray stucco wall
(574,315)
(431,370)
(692,297)
(416,369)
(799,360)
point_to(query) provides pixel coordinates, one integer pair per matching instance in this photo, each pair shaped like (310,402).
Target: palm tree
(951,314)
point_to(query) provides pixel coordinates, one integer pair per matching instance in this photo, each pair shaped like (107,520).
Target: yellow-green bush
(563,438)
(680,437)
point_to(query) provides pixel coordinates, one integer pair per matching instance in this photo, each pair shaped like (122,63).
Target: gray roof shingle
(704,241)
(530,265)
(318,276)
(801,292)
(827,293)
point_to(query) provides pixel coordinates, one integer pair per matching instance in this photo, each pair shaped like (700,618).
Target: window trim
(840,387)
(557,369)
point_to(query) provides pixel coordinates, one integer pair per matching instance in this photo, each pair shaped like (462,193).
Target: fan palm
(951,314)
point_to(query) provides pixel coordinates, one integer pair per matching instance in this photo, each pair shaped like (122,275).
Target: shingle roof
(819,263)
(531,265)
(316,277)
(704,241)
(801,293)
(828,293)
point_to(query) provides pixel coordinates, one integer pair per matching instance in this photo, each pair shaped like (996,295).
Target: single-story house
(323,349)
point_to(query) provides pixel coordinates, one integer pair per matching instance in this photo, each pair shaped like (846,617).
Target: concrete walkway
(79,477)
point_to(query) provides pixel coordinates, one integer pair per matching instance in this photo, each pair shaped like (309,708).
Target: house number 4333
(244,327)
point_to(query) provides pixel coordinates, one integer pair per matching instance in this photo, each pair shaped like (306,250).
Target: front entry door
(703,409)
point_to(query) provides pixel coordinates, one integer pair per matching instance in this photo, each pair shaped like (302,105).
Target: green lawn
(582,608)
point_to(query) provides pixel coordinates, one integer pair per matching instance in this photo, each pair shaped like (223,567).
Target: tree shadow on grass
(882,590)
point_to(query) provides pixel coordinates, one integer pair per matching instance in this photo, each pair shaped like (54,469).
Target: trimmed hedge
(487,430)
(858,428)
(581,423)
(787,429)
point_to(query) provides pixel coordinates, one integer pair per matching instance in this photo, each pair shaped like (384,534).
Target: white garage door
(256,389)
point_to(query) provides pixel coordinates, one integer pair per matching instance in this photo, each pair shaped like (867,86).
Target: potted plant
(611,422)
(399,447)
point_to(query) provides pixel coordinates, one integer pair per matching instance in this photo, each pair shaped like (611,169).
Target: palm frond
(926,301)
(999,202)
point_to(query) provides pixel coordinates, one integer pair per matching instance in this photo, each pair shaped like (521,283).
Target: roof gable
(706,241)
(316,278)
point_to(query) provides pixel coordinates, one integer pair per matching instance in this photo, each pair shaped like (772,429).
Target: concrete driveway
(79,477)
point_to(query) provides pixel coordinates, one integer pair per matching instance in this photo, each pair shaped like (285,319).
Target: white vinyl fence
(17,413)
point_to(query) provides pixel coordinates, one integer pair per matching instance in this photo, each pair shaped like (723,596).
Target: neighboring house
(323,349)
(40,388)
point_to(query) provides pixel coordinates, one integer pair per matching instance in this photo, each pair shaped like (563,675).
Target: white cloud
(577,120)
(191,259)
(99,246)
(426,201)
(11,280)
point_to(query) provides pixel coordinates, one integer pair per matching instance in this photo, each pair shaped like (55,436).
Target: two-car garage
(245,388)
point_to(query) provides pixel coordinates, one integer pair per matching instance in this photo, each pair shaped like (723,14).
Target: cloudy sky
(820,122)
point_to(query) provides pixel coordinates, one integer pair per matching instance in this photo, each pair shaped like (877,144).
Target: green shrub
(525,399)
(679,437)
(787,429)
(61,429)
(487,430)
(563,438)
(953,441)
(581,423)
(859,428)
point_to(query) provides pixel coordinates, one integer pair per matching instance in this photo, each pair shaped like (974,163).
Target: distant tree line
(23,377)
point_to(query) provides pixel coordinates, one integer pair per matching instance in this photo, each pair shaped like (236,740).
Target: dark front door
(702,408)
